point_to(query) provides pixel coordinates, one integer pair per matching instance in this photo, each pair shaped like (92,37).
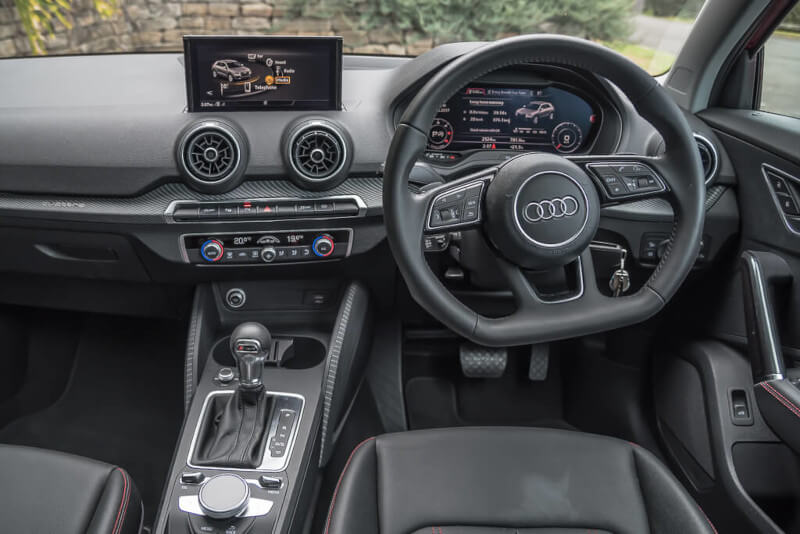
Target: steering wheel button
(470,214)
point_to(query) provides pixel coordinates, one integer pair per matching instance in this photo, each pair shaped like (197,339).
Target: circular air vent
(318,154)
(212,156)
(708,156)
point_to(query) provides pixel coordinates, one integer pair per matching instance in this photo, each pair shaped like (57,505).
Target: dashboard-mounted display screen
(263,73)
(499,117)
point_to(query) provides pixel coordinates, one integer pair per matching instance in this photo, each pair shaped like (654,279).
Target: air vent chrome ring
(212,156)
(318,154)
(708,155)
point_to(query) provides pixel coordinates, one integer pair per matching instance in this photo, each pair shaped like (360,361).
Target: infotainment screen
(263,73)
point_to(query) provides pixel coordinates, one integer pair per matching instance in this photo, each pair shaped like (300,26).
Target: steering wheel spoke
(624,178)
(458,204)
(564,284)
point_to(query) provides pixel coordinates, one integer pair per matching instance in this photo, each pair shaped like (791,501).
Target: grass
(653,61)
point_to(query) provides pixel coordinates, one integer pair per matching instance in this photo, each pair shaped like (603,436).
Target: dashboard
(115,179)
(502,117)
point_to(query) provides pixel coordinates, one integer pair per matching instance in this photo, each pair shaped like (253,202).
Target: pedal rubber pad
(482,362)
(540,361)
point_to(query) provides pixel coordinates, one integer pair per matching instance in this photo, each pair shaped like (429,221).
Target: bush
(466,20)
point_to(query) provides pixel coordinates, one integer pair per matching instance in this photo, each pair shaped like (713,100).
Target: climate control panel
(259,248)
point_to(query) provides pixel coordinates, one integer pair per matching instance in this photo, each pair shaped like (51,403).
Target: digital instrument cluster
(495,117)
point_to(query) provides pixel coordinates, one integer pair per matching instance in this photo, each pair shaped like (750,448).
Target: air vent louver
(211,155)
(708,156)
(317,153)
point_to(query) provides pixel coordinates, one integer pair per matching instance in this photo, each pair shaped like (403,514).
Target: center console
(250,451)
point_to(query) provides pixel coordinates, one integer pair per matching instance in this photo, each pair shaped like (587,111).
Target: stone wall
(157,25)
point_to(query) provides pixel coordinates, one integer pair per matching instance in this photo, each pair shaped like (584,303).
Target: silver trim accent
(237,509)
(321,125)
(211,125)
(185,254)
(761,297)
(482,178)
(714,154)
(529,237)
(234,290)
(255,508)
(268,463)
(783,174)
(362,209)
(578,295)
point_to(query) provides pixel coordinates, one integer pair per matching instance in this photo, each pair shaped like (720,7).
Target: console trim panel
(268,464)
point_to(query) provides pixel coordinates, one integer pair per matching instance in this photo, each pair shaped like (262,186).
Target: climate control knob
(212,250)
(323,246)
(268,254)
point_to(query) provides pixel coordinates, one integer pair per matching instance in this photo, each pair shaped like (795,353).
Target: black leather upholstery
(47,491)
(233,431)
(779,402)
(508,481)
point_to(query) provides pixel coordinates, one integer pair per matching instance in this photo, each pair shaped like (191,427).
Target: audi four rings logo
(555,208)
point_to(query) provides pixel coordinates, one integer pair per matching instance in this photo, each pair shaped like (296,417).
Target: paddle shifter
(251,344)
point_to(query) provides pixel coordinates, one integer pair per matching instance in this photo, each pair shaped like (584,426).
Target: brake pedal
(540,362)
(482,362)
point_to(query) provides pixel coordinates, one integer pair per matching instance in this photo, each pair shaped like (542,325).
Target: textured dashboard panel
(150,207)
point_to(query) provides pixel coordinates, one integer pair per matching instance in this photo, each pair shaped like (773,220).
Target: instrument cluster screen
(488,117)
(263,73)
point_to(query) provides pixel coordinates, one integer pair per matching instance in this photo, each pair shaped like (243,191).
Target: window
(781,77)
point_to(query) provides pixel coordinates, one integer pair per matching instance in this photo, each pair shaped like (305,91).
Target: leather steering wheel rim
(405,211)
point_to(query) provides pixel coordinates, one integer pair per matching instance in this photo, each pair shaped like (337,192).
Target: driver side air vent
(318,154)
(212,156)
(708,156)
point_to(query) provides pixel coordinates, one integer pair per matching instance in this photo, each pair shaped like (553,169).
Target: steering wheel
(539,212)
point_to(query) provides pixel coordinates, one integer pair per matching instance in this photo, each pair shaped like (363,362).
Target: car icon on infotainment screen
(230,69)
(535,109)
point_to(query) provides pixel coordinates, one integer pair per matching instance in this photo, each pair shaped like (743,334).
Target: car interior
(520,286)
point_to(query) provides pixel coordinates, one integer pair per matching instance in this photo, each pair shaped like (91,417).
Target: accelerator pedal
(482,362)
(540,362)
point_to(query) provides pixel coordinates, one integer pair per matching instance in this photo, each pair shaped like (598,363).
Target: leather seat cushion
(48,491)
(508,480)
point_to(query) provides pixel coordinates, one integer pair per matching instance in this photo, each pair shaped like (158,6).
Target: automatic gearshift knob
(251,343)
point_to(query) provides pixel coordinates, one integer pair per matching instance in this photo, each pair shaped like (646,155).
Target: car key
(620,280)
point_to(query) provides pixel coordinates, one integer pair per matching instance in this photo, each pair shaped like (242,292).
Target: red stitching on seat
(789,405)
(707,519)
(123,503)
(339,483)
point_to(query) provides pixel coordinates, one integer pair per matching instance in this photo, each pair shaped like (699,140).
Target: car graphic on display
(535,109)
(230,69)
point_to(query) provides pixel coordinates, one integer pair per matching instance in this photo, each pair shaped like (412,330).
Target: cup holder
(301,353)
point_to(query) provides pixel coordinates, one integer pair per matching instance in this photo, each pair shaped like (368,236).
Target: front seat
(46,491)
(508,481)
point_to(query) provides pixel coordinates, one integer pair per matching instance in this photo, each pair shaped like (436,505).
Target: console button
(247,210)
(286,210)
(185,214)
(267,209)
(227,211)
(345,207)
(282,253)
(208,212)
(787,203)
(270,483)
(304,208)
(324,207)
(192,477)
(268,254)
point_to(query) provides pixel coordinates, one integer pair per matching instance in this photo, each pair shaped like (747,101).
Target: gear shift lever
(251,344)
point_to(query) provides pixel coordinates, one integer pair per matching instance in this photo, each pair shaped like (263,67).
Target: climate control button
(268,254)
(212,250)
(323,246)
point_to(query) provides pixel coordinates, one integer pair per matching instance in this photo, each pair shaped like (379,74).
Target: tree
(39,17)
